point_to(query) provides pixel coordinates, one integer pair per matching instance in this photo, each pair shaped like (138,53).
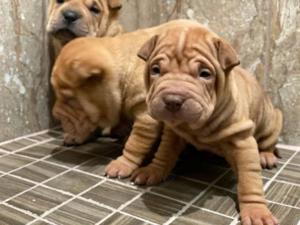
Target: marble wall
(24,80)
(266,35)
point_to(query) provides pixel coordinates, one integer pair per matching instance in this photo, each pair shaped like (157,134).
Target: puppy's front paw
(257,214)
(268,160)
(149,175)
(120,167)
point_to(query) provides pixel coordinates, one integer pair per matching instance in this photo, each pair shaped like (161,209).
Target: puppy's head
(69,19)
(83,74)
(185,74)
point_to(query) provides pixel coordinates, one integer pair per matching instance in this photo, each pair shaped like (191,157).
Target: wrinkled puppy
(97,83)
(197,89)
(69,19)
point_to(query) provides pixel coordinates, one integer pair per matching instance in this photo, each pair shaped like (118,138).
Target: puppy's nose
(70,16)
(173,103)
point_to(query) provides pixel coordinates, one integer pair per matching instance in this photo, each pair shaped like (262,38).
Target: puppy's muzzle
(173,103)
(70,16)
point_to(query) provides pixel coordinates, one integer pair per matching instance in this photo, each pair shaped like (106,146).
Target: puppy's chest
(201,143)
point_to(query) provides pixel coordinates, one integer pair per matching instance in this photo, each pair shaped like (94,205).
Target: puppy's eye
(95,9)
(205,73)
(155,70)
(60,1)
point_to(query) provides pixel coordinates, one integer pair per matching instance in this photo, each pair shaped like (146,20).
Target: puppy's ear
(114,4)
(227,56)
(146,50)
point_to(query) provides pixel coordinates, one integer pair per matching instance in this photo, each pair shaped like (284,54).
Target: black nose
(173,102)
(71,16)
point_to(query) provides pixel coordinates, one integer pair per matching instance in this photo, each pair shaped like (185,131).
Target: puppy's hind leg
(267,142)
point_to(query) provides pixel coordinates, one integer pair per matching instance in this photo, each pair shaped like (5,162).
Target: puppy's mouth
(65,34)
(175,109)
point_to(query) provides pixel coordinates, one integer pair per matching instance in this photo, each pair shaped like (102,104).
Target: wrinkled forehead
(82,2)
(186,42)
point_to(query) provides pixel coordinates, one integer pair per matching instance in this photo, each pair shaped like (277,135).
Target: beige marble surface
(23,68)
(266,35)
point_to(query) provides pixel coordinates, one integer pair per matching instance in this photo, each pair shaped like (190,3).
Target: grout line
(3,151)
(66,202)
(38,184)
(235,221)
(84,199)
(288,147)
(174,217)
(224,189)
(166,196)
(64,192)
(104,179)
(214,212)
(25,136)
(106,218)
(282,204)
(294,164)
(126,214)
(128,185)
(108,207)
(135,217)
(183,202)
(146,191)
(45,157)
(33,140)
(266,186)
(28,213)
(33,162)
(286,182)
(42,185)
(125,205)
(278,203)
(193,179)
(27,147)
(68,168)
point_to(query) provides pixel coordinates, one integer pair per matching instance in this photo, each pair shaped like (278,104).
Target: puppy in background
(98,82)
(69,19)
(197,89)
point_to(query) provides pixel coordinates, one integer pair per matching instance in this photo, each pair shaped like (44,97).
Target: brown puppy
(68,19)
(97,83)
(197,89)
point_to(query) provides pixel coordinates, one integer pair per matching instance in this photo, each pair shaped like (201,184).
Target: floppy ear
(114,4)
(227,56)
(146,50)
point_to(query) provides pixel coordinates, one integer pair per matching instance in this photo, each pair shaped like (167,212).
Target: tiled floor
(42,182)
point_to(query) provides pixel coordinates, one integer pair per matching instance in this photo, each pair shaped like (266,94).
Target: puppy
(69,19)
(97,83)
(197,89)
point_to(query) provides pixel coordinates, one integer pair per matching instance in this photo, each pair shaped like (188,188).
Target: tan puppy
(68,19)
(197,89)
(97,83)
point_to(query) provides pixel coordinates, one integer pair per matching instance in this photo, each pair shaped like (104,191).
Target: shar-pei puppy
(69,19)
(197,89)
(98,83)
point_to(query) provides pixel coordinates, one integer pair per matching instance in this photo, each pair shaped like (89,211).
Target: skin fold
(97,84)
(70,19)
(197,89)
